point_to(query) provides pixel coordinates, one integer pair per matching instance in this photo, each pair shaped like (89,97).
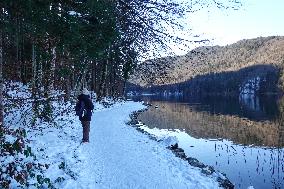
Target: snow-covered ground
(118,156)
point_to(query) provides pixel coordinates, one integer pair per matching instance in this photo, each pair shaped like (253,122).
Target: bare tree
(153,25)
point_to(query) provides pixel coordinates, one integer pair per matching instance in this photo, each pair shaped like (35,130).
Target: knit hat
(85,91)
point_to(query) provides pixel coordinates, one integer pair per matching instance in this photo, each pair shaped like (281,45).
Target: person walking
(84,107)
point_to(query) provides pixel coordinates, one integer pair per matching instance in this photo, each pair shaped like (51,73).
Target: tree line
(66,45)
(260,79)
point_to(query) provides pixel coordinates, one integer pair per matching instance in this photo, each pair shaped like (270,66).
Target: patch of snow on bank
(250,87)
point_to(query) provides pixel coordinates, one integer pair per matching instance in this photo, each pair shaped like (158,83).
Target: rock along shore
(179,152)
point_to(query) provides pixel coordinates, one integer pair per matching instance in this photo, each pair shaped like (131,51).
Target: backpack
(80,107)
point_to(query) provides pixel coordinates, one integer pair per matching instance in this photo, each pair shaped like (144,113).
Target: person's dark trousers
(86,130)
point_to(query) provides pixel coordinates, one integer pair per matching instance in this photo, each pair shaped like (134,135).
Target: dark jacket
(88,106)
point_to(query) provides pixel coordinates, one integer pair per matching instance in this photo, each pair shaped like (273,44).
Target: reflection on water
(250,102)
(240,137)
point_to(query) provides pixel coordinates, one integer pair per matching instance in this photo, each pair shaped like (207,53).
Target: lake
(241,137)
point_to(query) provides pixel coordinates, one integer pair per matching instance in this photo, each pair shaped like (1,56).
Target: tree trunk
(124,89)
(112,82)
(18,49)
(52,70)
(68,78)
(18,72)
(67,88)
(93,76)
(102,85)
(24,77)
(35,90)
(1,83)
(34,68)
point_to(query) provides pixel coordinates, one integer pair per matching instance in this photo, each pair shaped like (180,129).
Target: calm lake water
(241,137)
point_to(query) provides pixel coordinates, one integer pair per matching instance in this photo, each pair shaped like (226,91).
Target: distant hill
(232,68)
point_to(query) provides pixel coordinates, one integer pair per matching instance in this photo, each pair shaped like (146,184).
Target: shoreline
(179,152)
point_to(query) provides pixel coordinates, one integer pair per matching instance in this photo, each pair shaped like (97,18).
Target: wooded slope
(211,60)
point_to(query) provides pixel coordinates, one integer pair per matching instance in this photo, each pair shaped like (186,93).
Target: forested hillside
(245,65)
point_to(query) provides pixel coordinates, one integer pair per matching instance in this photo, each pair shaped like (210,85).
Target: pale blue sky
(255,18)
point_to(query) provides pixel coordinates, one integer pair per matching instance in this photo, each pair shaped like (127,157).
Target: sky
(254,19)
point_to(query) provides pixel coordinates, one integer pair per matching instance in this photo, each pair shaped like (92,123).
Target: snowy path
(120,157)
